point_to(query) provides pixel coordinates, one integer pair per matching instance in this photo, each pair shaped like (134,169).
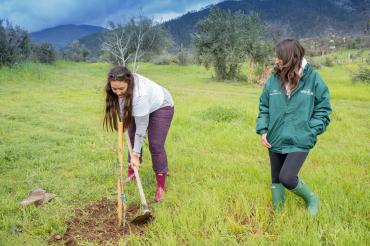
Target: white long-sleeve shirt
(148,97)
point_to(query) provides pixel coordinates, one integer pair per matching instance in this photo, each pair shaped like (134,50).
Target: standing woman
(146,106)
(294,109)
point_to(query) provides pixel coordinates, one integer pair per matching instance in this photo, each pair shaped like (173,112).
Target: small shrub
(183,57)
(362,75)
(44,53)
(328,62)
(164,59)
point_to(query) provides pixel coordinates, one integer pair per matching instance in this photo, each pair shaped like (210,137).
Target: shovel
(121,197)
(147,215)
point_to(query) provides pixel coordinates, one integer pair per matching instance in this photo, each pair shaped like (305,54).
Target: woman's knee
(156,148)
(288,180)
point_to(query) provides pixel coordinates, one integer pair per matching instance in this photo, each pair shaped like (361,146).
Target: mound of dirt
(98,222)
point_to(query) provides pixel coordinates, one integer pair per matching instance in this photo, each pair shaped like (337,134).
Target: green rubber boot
(278,195)
(311,199)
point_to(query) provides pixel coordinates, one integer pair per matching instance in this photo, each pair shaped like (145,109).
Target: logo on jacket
(275,92)
(307,92)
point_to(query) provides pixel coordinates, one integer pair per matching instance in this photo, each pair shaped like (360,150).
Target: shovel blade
(142,219)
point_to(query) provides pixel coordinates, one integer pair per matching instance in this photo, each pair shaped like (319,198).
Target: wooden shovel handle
(119,180)
(138,180)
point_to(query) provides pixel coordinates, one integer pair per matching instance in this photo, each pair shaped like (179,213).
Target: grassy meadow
(51,137)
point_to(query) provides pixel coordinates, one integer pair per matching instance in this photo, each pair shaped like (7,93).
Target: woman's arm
(322,108)
(141,123)
(263,116)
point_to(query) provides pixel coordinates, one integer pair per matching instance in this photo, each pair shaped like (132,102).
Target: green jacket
(293,123)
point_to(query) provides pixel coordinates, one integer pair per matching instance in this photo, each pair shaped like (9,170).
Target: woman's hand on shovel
(135,161)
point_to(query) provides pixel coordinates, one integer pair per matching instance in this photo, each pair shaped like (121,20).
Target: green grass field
(51,136)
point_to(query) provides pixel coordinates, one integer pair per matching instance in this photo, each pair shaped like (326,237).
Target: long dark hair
(112,109)
(291,52)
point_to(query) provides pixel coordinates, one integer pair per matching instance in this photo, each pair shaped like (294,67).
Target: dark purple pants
(159,124)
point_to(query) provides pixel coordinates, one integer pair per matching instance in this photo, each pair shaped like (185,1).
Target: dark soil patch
(98,222)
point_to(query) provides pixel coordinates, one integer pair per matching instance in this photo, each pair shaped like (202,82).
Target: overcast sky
(34,15)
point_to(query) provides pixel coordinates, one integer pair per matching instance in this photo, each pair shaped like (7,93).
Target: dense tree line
(16,46)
